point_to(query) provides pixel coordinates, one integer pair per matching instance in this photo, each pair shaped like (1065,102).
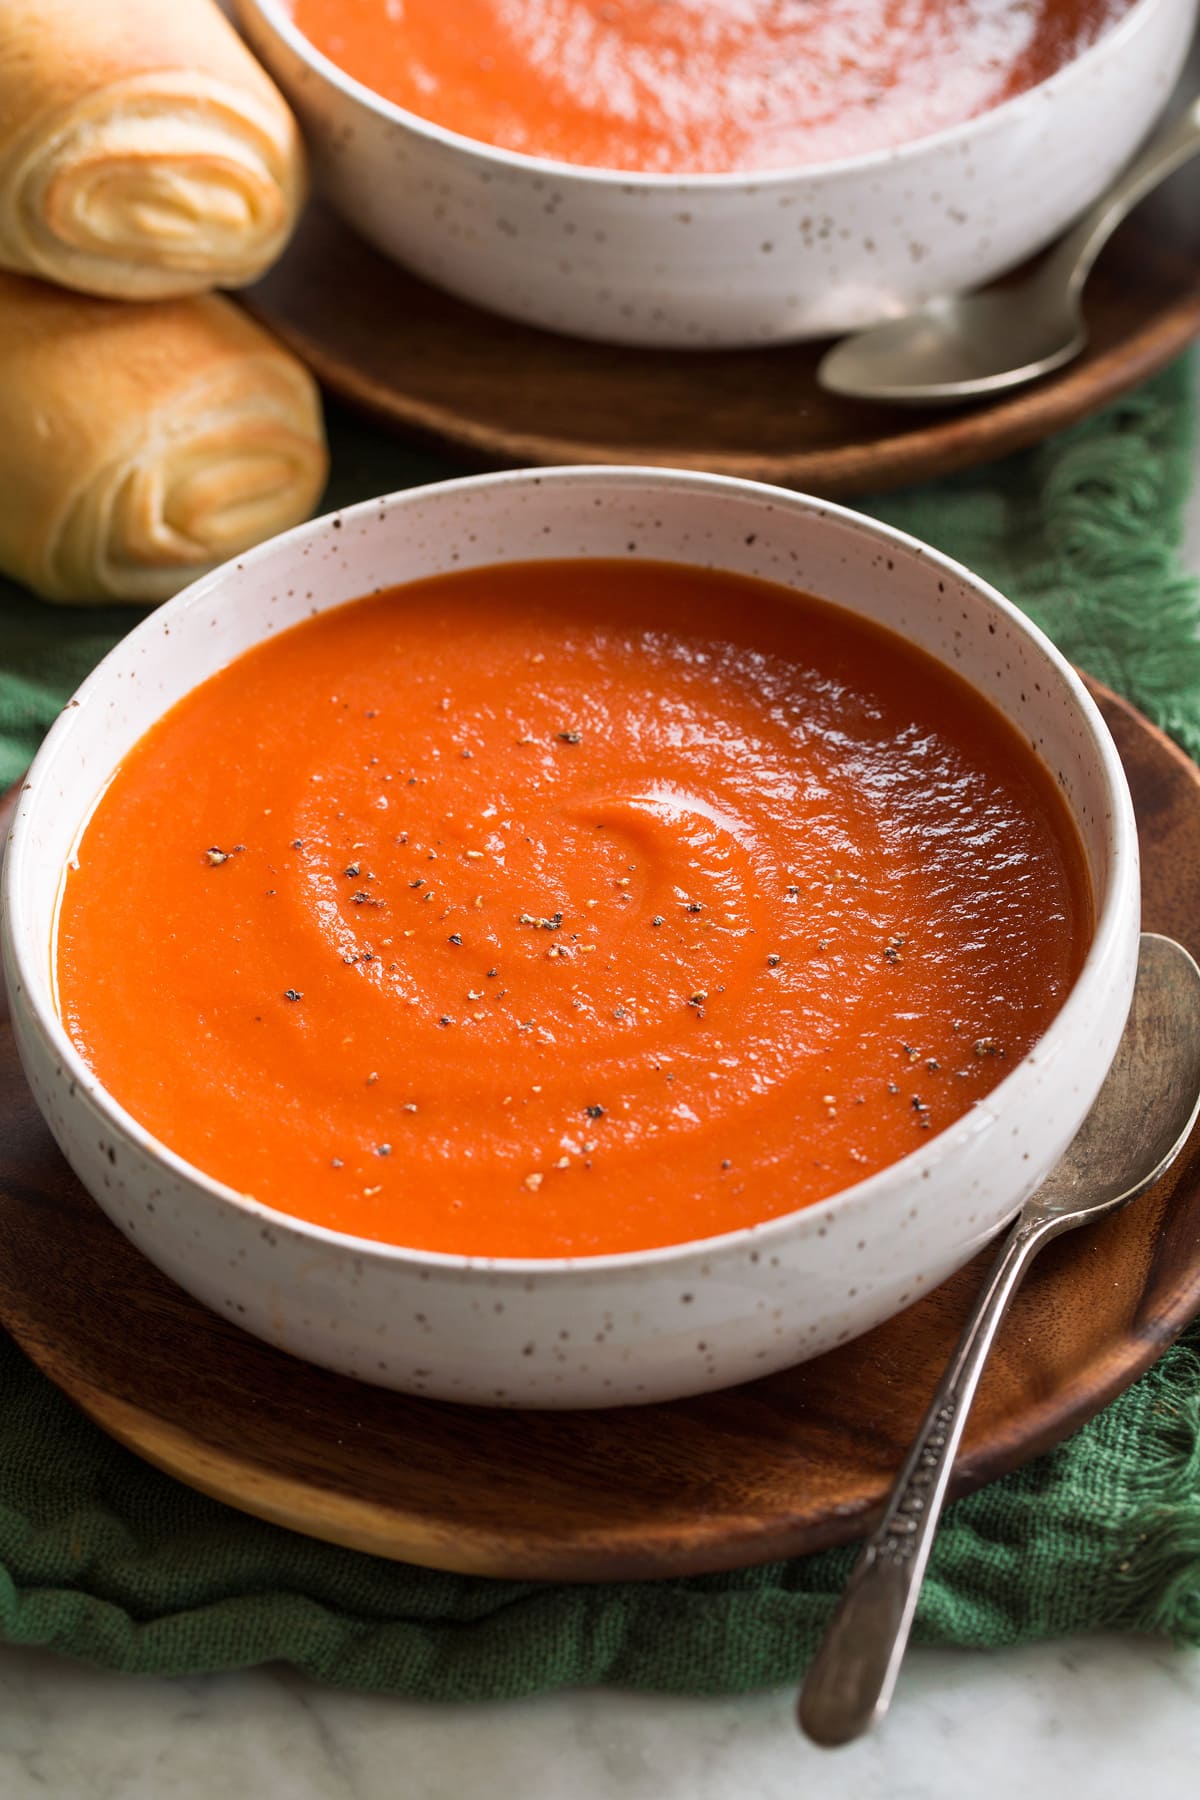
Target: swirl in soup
(568,907)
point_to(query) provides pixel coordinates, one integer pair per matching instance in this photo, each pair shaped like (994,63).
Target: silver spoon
(1140,1122)
(972,346)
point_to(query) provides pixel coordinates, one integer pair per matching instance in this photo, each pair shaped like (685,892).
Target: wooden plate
(506,394)
(788,1464)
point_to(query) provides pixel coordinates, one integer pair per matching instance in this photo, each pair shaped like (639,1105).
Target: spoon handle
(1170,147)
(850,1680)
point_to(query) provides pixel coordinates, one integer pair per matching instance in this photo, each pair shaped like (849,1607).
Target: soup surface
(700,86)
(568,907)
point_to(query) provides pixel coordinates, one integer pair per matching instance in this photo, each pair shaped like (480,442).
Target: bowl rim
(28,964)
(276,15)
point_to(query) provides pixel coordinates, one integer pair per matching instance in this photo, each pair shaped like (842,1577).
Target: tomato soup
(700,86)
(568,907)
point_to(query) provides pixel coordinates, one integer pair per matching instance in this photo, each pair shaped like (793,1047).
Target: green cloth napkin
(106,1559)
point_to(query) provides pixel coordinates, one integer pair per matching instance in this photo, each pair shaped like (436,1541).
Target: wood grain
(493,391)
(791,1463)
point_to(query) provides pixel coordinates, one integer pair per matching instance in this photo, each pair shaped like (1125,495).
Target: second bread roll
(143,151)
(141,445)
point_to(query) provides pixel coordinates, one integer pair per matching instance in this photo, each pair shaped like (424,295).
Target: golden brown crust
(142,445)
(143,151)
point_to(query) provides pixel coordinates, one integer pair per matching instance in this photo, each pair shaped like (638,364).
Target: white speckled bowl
(607,1329)
(753,258)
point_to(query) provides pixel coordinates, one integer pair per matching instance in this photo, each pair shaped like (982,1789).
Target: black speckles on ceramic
(600,1331)
(729,259)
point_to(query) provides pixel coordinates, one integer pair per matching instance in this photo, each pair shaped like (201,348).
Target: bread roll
(140,445)
(143,151)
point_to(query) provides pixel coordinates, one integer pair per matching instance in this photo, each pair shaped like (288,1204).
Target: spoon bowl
(965,347)
(1144,1113)
(974,346)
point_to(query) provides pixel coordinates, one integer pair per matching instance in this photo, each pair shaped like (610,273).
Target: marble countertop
(1096,1717)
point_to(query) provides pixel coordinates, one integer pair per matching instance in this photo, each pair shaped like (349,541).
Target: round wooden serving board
(792,1463)
(500,393)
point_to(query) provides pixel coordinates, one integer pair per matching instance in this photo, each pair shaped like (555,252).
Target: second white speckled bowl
(612,1329)
(746,258)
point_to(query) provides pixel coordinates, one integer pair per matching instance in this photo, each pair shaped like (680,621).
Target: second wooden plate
(498,393)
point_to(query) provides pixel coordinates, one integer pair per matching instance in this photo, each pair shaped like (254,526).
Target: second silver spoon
(972,346)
